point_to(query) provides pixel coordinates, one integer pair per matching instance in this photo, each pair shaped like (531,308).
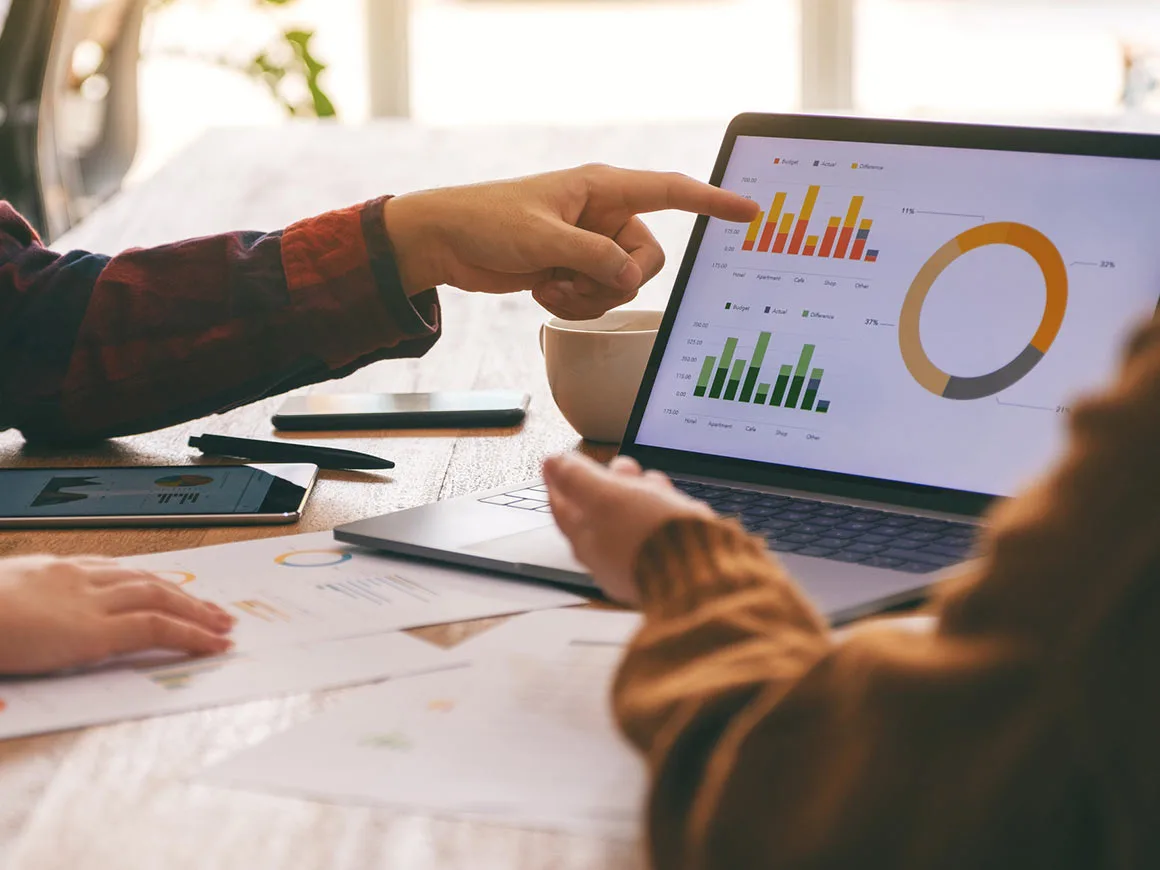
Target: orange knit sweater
(1024,731)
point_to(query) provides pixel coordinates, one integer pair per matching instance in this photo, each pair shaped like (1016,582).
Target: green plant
(284,62)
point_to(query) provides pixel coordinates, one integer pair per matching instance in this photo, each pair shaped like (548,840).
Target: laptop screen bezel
(1041,140)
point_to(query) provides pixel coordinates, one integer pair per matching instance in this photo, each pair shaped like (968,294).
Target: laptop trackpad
(545,546)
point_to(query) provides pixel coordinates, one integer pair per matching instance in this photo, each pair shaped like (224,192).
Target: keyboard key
(783,546)
(920,536)
(729,507)
(823,522)
(759,511)
(876,538)
(545,509)
(894,521)
(797,538)
(839,532)
(745,497)
(902,543)
(868,549)
(499,499)
(811,528)
(796,515)
(527,504)
(854,526)
(834,512)
(777,525)
(833,543)
(943,549)
(533,494)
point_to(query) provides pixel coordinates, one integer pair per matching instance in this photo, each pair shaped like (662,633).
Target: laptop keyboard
(875,538)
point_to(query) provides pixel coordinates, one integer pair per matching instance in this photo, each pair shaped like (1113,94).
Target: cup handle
(543,326)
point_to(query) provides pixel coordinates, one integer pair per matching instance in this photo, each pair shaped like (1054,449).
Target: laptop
(895,342)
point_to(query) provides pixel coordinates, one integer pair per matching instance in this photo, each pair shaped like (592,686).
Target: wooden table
(121,796)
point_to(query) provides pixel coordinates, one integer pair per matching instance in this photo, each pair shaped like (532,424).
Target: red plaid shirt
(94,347)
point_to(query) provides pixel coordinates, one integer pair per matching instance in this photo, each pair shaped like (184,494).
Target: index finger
(644,191)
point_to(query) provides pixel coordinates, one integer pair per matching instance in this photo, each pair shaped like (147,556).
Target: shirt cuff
(688,562)
(418,316)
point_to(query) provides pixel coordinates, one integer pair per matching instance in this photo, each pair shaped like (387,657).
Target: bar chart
(728,377)
(778,231)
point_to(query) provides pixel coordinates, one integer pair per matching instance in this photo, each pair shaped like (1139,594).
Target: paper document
(139,689)
(524,736)
(311,615)
(290,590)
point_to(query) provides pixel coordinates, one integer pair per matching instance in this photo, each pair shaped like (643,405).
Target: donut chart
(1047,257)
(312,558)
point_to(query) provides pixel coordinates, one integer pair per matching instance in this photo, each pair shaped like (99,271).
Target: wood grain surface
(121,796)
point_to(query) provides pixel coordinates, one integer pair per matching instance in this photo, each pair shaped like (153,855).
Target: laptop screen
(914,314)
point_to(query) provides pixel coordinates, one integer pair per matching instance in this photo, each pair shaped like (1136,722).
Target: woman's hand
(61,613)
(571,237)
(608,513)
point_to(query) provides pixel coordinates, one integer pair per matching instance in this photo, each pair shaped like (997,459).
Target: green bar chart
(729,376)
(706,376)
(723,369)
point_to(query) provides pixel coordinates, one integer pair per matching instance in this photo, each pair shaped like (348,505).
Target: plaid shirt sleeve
(95,347)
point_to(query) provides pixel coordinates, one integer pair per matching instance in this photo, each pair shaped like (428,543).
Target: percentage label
(1107,264)
(1063,409)
(907,210)
(870,321)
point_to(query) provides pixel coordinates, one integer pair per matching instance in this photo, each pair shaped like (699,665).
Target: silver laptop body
(894,343)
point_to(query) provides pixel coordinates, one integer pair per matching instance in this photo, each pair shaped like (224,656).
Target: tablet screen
(908,313)
(115,492)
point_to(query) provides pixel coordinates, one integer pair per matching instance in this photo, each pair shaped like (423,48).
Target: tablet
(194,495)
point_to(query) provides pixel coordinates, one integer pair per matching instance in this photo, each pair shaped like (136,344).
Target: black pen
(278,451)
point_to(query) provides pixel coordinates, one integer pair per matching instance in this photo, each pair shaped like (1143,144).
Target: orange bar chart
(778,231)
(848,228)
(803,223)
(830,237)
(860,240)
(771,222)
(754,229)
(783,234)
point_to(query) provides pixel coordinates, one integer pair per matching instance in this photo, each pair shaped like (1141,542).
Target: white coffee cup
(595,368)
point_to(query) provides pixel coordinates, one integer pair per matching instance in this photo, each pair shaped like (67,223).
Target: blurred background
(133,81)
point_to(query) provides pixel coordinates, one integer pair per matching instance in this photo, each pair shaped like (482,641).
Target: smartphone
(403,410)
(196,495)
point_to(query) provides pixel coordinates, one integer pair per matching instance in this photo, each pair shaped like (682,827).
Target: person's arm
(982,743)
(93,346)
